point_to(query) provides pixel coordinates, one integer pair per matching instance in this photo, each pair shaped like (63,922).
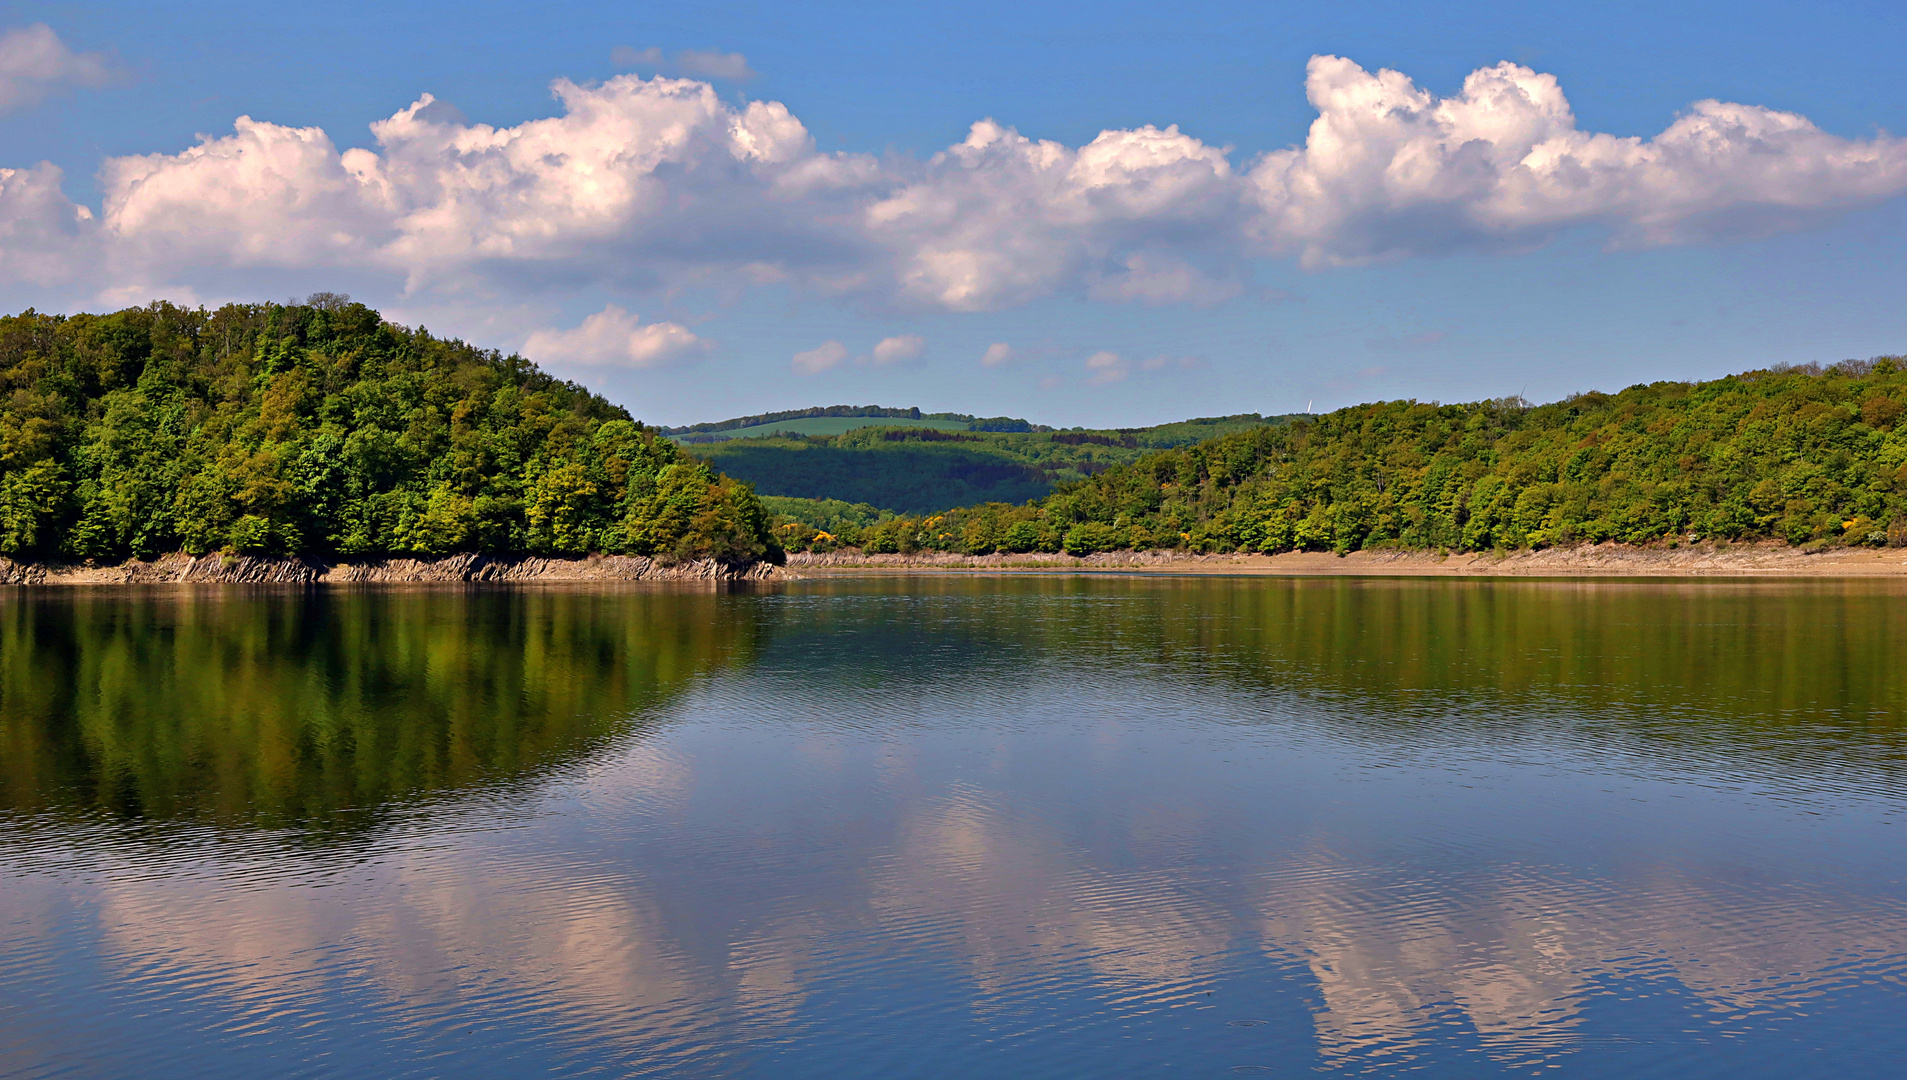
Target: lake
(1042,826)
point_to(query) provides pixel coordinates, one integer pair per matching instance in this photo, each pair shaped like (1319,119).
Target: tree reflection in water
(1052,826)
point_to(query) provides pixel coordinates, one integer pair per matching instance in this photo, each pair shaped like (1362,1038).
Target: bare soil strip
(1762,560)
(1600,560)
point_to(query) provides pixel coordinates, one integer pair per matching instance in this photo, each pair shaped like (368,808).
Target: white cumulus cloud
(906,348)
(820,358)
(1391,170)
(639,183)
(997,354)
(1001,219)
(34,62)
(614,337)
(266,195)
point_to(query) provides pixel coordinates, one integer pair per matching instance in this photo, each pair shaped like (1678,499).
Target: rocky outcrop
(479,568)
(13,573)
(261,570)
(851,558)
(232,569)
(1760,559)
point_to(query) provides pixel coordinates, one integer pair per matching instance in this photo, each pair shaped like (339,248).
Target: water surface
(950,827)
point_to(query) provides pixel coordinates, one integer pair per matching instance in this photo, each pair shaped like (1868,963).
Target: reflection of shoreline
(1736,674)
(474,569)
(1758,560)
(1071,805)
(272,708)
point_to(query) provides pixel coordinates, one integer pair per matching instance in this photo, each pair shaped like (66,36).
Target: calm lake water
(952,827)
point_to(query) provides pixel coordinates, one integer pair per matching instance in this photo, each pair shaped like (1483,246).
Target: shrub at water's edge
(319,428)
(1801,455)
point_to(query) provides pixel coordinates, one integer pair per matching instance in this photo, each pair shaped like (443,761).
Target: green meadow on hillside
(920,470)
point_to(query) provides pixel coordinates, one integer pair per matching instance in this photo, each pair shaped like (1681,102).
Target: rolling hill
(918,469)
(319,428)
(1806,455)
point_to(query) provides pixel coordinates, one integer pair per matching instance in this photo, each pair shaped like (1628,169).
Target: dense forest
(1804,455)
(918,470)
(319,428)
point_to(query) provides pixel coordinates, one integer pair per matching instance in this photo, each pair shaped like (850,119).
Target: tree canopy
(1804,455)
(319,428)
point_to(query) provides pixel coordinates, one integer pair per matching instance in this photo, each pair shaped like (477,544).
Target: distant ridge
(1812,456)
(974,423)
(924,466)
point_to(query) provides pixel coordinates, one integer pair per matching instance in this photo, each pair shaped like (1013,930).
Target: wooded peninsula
(320,428)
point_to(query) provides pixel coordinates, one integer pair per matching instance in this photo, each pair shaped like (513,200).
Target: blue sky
(1158,276)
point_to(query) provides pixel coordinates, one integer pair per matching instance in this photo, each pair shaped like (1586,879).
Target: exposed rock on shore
(1765,559)
(262,570)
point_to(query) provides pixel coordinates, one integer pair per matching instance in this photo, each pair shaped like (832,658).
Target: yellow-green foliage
(1798,454)
(319,428)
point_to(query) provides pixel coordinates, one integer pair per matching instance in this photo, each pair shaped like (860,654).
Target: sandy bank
(245,569)
(1601,560)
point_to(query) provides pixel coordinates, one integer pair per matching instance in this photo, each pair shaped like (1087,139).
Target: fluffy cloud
(1391,170)
(898,350)
(1001,219)
(615,337)
(43,237)
(997,354)
(820,358)
(640,182)
(266,195)
(34,62)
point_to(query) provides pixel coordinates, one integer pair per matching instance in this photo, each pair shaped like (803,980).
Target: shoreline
(217,569)
(1751,560)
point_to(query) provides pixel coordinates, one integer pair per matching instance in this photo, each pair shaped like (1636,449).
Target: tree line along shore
(321,430)
(1809,456)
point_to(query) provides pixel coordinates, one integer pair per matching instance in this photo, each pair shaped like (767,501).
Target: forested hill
(919,470)
(319,428)
(1804,455)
